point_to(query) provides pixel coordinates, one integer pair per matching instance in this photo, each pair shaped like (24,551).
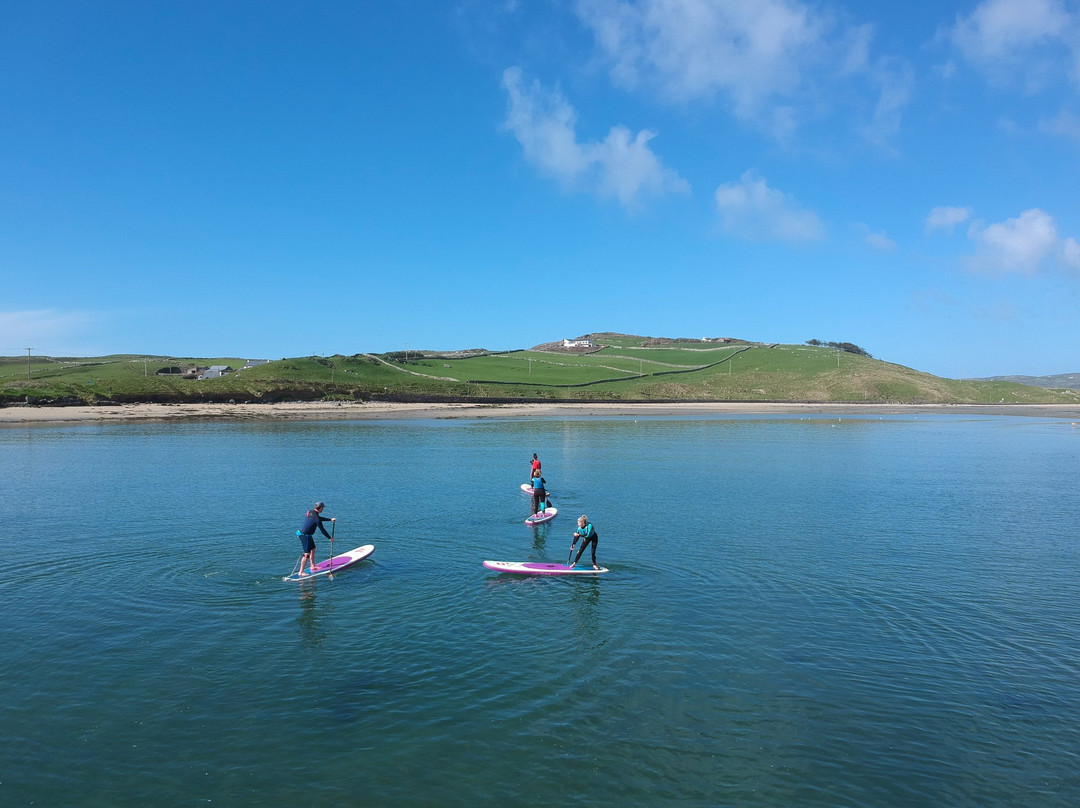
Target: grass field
(626,368)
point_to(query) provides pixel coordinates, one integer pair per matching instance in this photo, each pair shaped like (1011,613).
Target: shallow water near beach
(829,611)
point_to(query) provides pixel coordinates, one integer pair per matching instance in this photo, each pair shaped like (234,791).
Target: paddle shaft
(332,526)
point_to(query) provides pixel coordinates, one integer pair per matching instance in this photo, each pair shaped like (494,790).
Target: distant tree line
(847,347)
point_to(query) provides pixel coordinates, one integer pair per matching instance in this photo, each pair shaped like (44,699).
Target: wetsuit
(588,535)
(539,494)
(306,533)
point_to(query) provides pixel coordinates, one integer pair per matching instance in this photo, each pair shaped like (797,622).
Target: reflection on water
(310,620)
(540,537)
(585,605)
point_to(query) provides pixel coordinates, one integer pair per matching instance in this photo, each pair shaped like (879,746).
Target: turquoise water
(800,612)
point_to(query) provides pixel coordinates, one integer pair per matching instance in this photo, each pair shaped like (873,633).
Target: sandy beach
(31,415)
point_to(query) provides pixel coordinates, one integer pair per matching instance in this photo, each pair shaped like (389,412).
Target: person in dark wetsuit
(312,519)
(589,535)
(539,494)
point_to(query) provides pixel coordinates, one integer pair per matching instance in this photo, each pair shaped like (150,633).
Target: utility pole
(28,350)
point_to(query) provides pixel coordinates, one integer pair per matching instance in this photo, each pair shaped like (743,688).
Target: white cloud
(752,210)
(946,218)
(880,241)
(775,60)
(1070,253)
(544,123)
(1031,39)
(1019,245)
(694,48)
(620,166)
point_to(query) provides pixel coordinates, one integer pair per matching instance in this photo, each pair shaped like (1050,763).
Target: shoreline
(28,415)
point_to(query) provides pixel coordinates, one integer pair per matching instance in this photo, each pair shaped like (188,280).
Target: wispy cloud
(40,329)
(774,60)
(946,218)
(879,241)
(895,79)
(622,166)
(1031,41)
(1065,124)
(750,209)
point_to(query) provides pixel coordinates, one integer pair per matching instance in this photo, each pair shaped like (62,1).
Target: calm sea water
(800,612)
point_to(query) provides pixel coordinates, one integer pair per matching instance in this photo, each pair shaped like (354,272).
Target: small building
(215,372)
(585,342)
(254,363)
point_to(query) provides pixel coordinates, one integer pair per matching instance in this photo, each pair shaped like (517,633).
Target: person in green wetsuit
(588,534)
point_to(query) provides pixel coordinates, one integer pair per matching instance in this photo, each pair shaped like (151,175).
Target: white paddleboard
(335,564)
(540,518)
(528,489)
(542,568)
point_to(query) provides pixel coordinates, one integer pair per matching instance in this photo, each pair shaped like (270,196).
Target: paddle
(572,544)
(332,526)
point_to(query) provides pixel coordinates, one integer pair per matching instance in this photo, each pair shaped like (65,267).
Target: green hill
(618,367)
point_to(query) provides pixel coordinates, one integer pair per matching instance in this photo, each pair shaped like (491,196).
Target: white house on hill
(578,343)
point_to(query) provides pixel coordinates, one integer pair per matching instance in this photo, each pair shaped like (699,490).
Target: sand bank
(29,415)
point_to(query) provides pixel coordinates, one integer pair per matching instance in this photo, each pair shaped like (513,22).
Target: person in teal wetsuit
(588,534)
(539,494)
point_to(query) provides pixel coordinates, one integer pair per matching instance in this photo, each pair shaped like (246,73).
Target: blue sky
(271,179)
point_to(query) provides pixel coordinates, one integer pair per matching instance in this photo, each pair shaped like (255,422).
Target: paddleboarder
(588,533)
(539,495)
(312,519)
(535,464)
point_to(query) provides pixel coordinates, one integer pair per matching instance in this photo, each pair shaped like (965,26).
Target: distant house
(254,363)
(578,343)
(215,372)
(172,370)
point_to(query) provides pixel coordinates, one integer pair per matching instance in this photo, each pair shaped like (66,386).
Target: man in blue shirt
(312,519)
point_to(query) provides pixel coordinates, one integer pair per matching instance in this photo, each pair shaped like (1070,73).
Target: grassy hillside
(623,367)
(1057,381)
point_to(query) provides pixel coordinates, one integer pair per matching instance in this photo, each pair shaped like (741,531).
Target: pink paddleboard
(540,518)
(338,562)
(542,568)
